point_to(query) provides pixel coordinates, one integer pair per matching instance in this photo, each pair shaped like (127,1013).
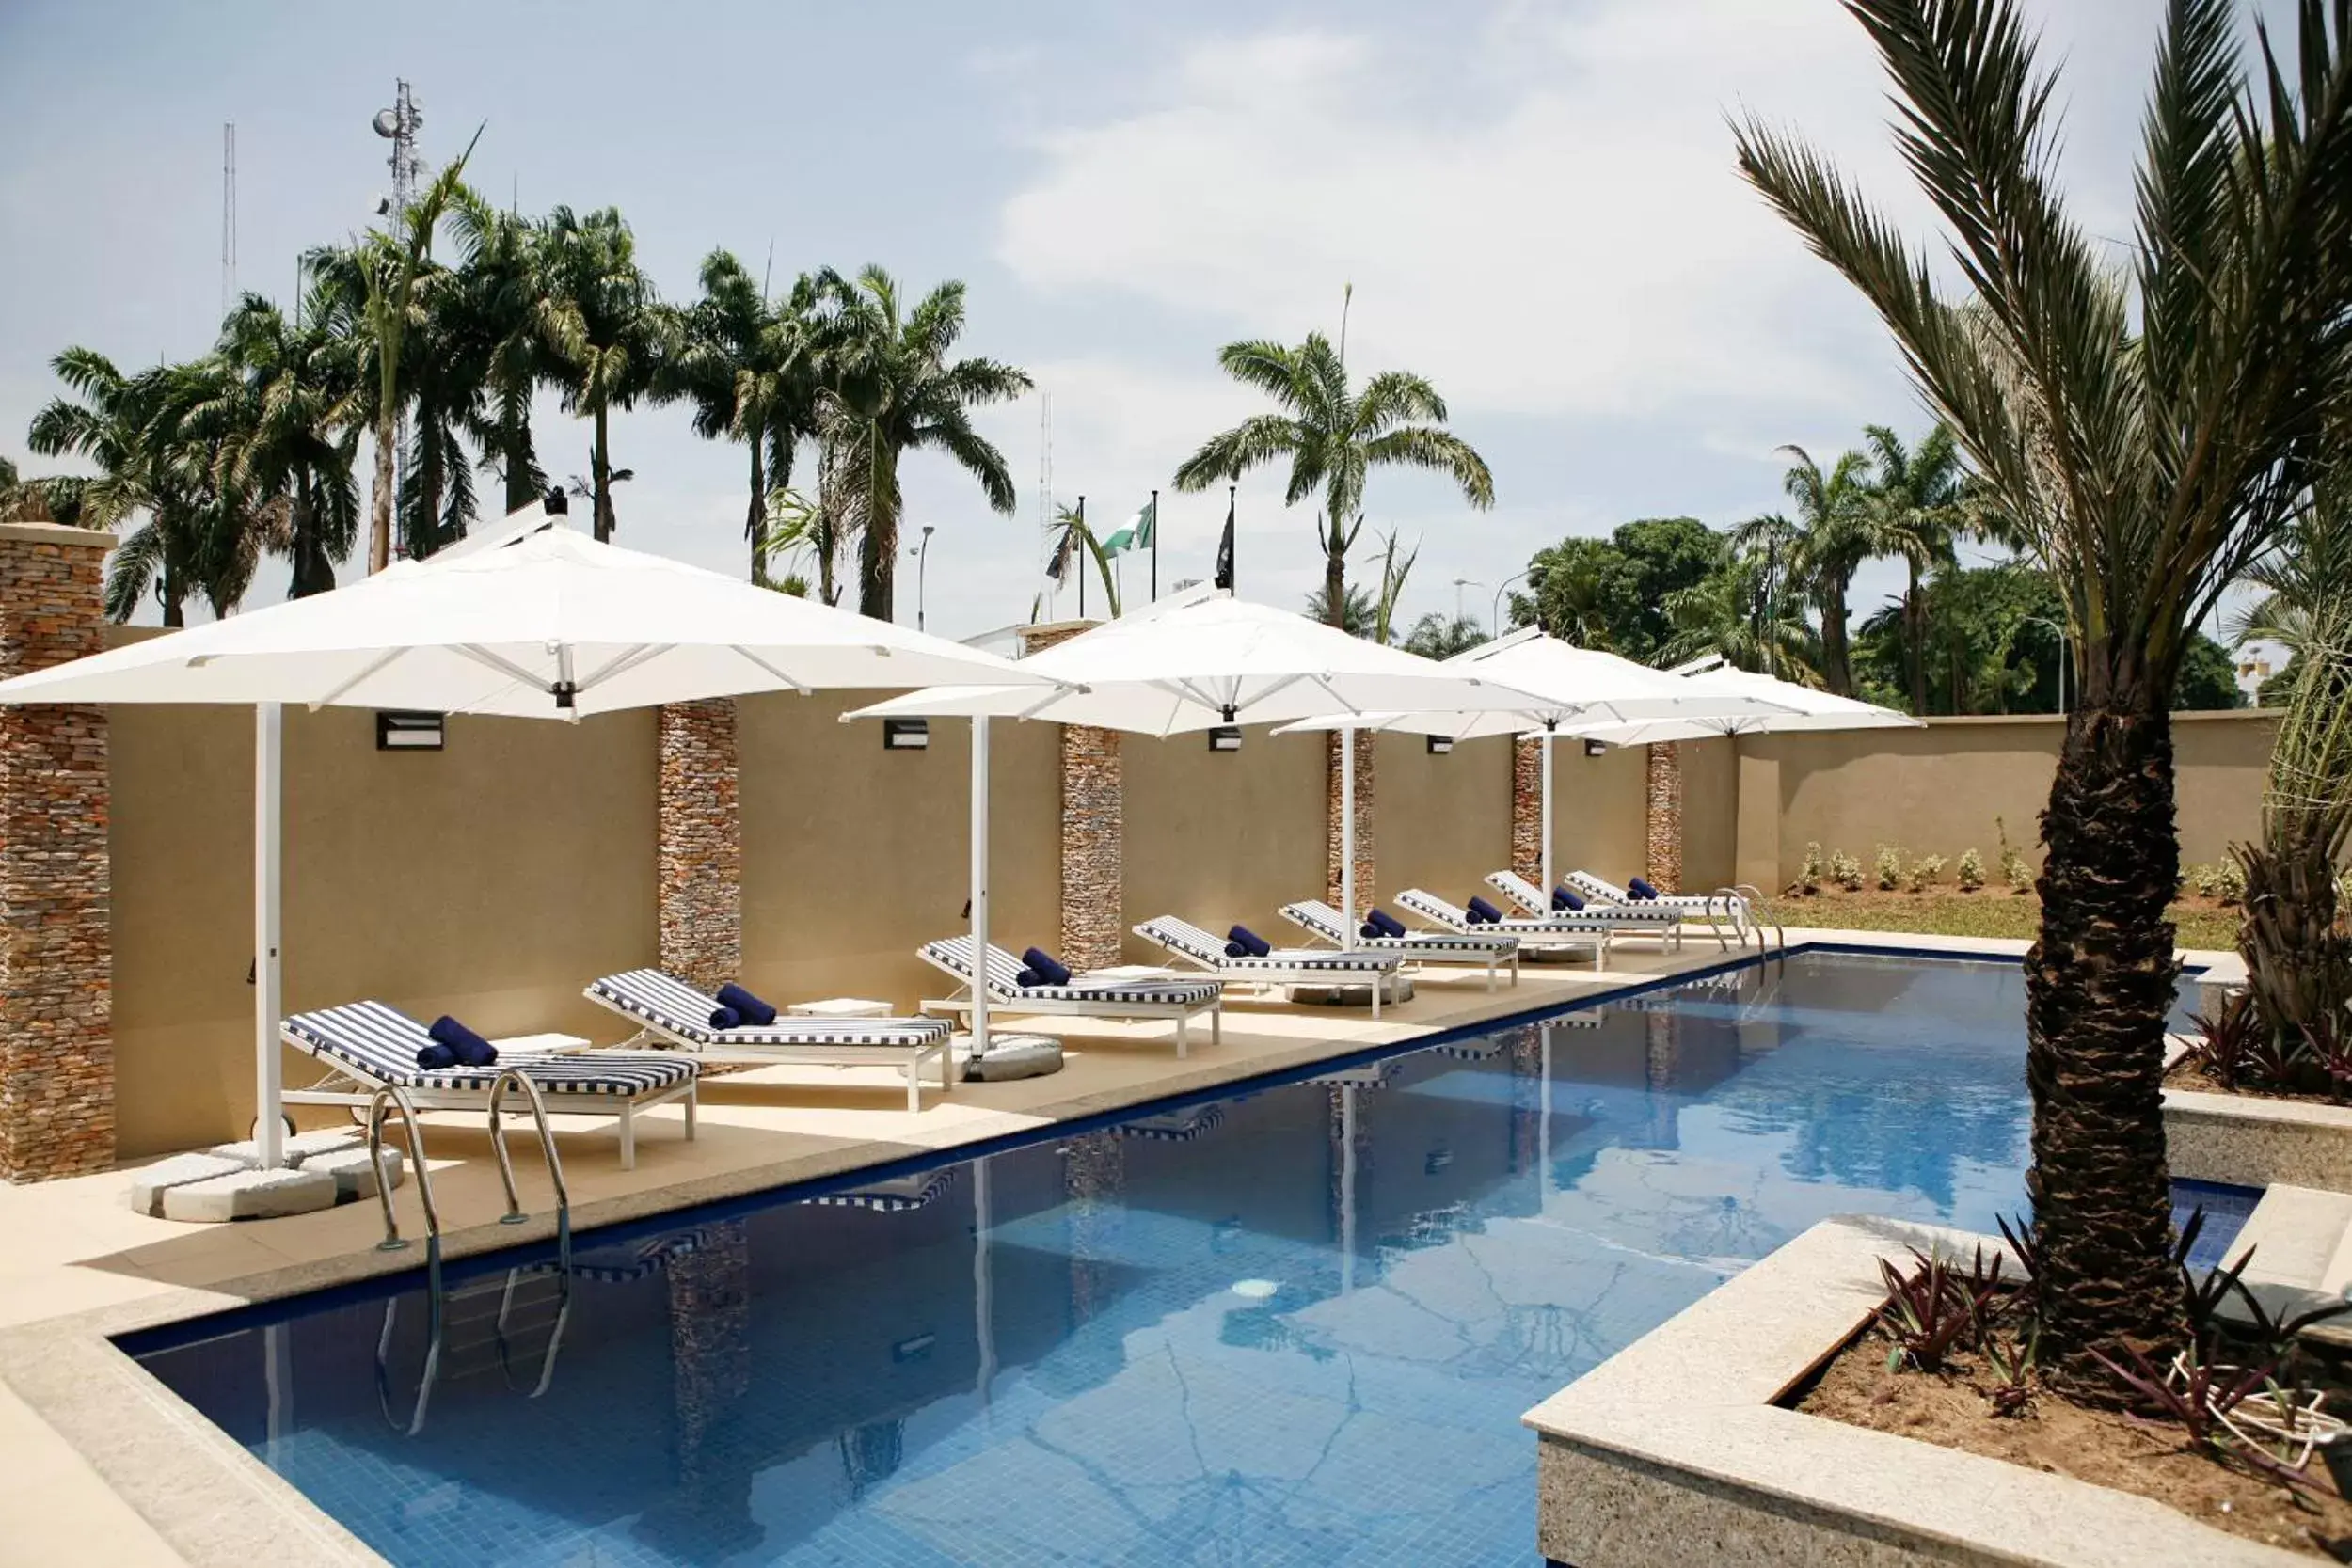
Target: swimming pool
(1296,1325)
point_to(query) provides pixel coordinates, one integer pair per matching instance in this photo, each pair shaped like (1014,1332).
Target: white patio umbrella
(1804,709)
(1203,659)
(548,625)
(1571,685)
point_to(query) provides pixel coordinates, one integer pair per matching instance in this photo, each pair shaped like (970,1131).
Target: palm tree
(1915,510)
(1736,612)
(888,388)
(104,421)
(609,331)
(447,379)
(296,432)
(1333,439)
(510,313)
(1830,544)
(1436,635)
(1359,614)
(2303,579)
(1074,544)
(748,365)
(2149,427)
(1568,592)
(211,522)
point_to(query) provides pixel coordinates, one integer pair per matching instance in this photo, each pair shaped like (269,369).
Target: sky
(1535,204)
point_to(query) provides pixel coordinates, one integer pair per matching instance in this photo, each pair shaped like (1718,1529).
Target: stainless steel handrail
(392,1095)
(515,1214)
(1764,913)
(425,1380)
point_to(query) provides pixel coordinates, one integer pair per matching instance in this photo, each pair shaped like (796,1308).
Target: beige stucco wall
(1710,788)
(1440,822)
(1938,790)
(1222,837)
(855,856)
(491,880)
(1598,809)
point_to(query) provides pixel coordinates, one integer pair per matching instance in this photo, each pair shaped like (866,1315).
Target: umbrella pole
(1545,827)
(1347,830)
(269,1130)
(979,887)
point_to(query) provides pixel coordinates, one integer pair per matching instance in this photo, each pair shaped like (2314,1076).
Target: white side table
(528,1045)
(839,1007)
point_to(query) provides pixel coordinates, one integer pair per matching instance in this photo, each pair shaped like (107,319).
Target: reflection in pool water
(1297,1326)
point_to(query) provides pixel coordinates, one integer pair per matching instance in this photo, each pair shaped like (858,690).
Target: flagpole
(1155,544)
(1083,553)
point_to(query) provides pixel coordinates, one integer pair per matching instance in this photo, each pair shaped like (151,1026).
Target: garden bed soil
(2184,1074)
(1952,1409)
(1990,911)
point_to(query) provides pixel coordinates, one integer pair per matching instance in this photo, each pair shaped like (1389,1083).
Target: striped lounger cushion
(380,1044)
(1003,979)
(1324,921)
(683,1011)
(1184,937)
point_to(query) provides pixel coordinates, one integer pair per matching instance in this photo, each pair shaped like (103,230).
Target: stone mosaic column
(1665,817)
(1093,829)
(699,857)
(1527,808)
(1367,894)
(57,948)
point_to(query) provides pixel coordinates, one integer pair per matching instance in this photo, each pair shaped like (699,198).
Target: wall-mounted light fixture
(1440,745)
(1595,748)
(1224,738)
(409,732)
(906,735)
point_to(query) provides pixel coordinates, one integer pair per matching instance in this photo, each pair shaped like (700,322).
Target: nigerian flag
(1136,535)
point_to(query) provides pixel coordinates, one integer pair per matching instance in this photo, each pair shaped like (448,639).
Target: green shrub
(2224,882)
(1889,866)
(1811,870)
(2016,873)
(1971,870)
(1925,870)
(1845,871)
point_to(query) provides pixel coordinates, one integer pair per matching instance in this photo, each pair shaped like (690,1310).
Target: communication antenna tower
(398,125)
(228,215)
(1045,488)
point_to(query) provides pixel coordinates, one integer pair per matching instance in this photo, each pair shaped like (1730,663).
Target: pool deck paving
(104,1465)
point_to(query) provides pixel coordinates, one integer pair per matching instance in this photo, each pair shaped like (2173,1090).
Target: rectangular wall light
(409,732)
(1595,748)
(1440,745)
(906,735)
(1224,738)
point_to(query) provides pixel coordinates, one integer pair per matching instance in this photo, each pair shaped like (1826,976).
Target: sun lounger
(669,1011)
(1553,932)
(1640,919)
(1283,966)
(1182,1000)
(1320,920)
(1687,905)
(367,1045)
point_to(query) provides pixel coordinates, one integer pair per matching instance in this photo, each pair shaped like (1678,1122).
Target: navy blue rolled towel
(1563,900)
(725,1018)
(1049,970)
(435,1058)
(1371,931)
(748,1009)
(467,1047)
(1252,944)
(1641,888)
(1483,913)
(1389,924)
(1028,977)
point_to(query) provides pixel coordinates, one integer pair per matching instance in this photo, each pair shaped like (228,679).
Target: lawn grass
(1994,912)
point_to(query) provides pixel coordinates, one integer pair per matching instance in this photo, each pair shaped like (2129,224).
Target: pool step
(2301,1243)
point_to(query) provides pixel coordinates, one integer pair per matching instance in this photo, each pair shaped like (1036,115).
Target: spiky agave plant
(2149,423)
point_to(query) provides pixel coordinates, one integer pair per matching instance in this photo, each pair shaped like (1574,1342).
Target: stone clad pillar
(56,944)
(1527,807)
(1093,827)
(1367,744)
(1665,817)
(699,856)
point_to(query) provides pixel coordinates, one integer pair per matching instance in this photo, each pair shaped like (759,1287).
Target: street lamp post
(922,554)
(1494,621)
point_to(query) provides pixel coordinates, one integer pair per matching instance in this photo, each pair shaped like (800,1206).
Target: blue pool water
(1293,1326)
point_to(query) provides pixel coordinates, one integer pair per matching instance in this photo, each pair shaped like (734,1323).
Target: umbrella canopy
(1802,708)
(1569,686)
(550,625)
(1201,659)
(536,623)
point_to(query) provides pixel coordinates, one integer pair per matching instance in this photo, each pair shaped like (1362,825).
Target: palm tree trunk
(1914,631)
(1334,584)
(522,484)
(2098,983)
(430,483)
(1836,661)
(756,520)
(312,572)
(878,551)
(380,507)
(600,477)
(172,594)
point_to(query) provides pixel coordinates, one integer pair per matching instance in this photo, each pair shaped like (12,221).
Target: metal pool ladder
(1763,915)
(439,1301)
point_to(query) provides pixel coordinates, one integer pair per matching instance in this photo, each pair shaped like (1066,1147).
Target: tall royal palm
(609,329)
(890,388)
(1917,512)
(2149,427)
(1333,439)
(1830,544)
(295,432)
(508,309)
(748,365)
